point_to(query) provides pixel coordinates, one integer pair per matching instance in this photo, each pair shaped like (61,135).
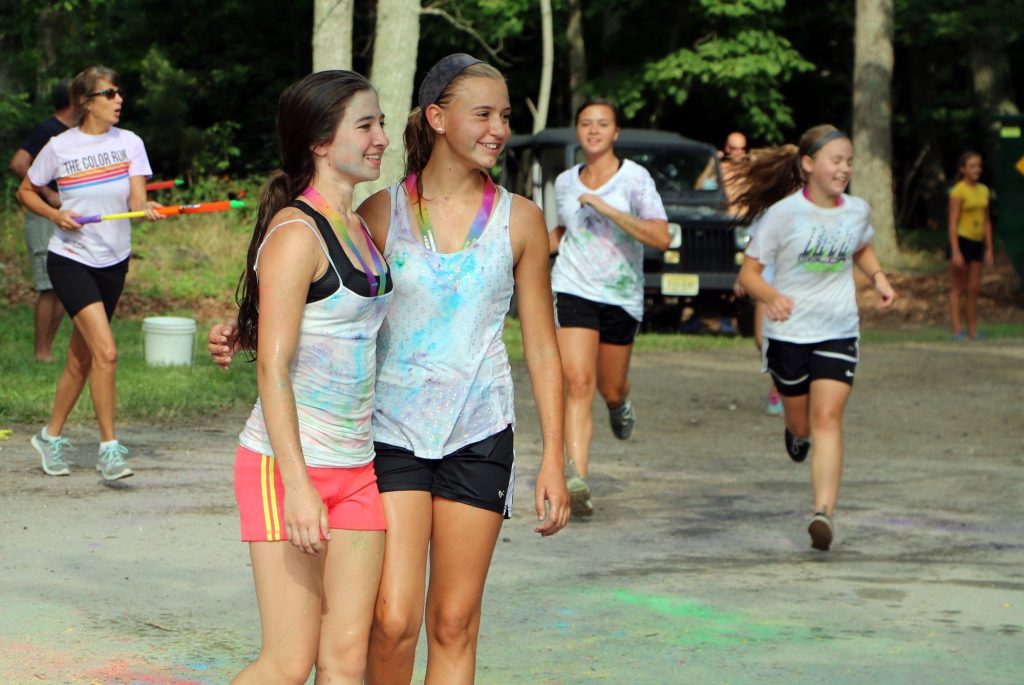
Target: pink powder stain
(25,662)
(127,672)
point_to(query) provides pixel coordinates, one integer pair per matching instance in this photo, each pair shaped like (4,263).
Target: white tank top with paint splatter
(443,375)
(332,376)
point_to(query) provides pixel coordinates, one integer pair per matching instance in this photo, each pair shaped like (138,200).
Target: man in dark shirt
(38,231)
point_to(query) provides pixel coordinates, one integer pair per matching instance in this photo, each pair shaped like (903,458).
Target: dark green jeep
(706,249)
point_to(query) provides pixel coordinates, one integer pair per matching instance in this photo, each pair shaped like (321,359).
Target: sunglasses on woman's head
(109,93)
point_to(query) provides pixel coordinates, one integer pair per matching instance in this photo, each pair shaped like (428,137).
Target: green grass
(182,261)
(992,331)
(194,256)
(166,395)
(146,393)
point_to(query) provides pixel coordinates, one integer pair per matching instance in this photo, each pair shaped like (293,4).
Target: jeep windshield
(682,176)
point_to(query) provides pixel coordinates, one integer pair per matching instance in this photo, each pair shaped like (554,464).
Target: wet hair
(419,136)
(308,114)
(772,174)
(962,161)
(85,82)
(599,101)
(60,94)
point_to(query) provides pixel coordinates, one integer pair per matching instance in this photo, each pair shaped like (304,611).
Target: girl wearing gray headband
(811,233)
(457,245)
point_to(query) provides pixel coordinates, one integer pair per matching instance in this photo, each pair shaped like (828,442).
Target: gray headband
(441,74)
(825,140)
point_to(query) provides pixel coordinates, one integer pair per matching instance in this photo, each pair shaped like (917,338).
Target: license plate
(680,284)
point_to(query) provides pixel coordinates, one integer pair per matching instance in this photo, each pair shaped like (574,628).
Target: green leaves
(737,9)
(742,61)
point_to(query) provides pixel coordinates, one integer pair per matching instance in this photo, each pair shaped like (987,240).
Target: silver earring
(440,130)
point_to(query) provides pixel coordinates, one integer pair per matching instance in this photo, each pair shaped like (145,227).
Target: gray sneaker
(622,419)
(51,454)
(579,497)
(111,464)
(821,531)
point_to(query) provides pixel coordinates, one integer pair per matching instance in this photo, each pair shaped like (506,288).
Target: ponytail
(419,137)
(278,192)
(766,178)
(419,143)
(772,175)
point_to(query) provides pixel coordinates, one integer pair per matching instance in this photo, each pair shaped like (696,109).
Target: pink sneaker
(773,405)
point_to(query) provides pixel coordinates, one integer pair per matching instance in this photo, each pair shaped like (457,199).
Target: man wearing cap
(48,310)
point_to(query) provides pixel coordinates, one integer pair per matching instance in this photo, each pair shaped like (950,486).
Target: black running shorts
(480,474)
(613,323)
(972,250)
(795,365)
(78,285)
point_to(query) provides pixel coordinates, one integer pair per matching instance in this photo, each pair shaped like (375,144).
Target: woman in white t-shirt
(608,209)
(100,169)
(812,233)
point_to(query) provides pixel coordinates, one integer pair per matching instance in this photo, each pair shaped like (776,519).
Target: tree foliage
(203,78)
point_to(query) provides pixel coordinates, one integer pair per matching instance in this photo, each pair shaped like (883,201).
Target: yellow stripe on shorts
(274,518)
(269,493)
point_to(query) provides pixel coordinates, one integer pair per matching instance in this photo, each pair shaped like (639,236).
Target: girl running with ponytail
(812,233)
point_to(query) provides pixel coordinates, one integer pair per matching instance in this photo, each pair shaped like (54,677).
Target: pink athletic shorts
(350,495)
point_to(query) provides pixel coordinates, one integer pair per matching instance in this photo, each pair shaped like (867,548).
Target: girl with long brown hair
(312,298)
(813,233)
(608,209)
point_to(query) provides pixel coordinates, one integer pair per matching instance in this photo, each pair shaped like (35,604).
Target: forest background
(203,77)
(915,81)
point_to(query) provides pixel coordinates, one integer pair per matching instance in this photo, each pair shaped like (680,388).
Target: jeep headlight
(675,236)
(742,236)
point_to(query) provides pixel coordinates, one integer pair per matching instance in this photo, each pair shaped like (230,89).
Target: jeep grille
(706,248)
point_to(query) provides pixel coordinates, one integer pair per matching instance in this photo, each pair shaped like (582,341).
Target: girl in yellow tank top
(970,242)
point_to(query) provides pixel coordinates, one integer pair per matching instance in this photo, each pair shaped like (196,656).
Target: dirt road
(696,567)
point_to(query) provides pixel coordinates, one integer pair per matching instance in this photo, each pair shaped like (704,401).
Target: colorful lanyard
(426,229)
(377,280)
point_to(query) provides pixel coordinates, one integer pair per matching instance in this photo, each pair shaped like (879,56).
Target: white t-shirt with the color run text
(92,175)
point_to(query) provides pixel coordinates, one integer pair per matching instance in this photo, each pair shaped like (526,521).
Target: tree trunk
(540,118)
(993,87)
(872,119)
(332,34)
(577,54)
(393,74)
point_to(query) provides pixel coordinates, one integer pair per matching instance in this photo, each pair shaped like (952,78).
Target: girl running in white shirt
(813,233)
(608,209)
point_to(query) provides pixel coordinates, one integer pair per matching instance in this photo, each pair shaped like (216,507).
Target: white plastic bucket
(168,340)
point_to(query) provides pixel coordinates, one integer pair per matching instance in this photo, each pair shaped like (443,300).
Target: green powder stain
(692,624)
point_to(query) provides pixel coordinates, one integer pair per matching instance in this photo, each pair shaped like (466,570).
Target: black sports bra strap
(352,278)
